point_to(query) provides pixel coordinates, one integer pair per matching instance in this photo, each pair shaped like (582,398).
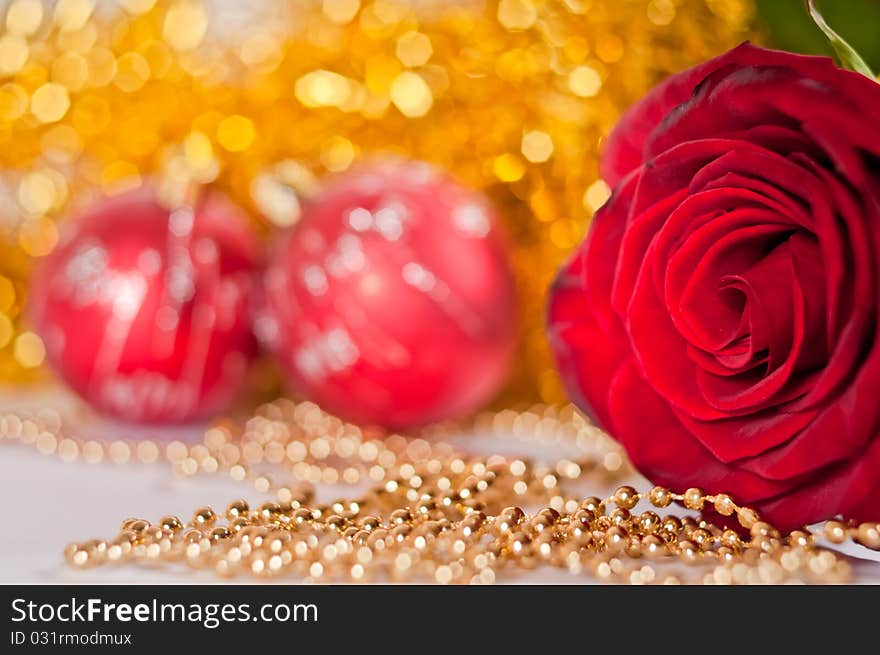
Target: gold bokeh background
(262,99)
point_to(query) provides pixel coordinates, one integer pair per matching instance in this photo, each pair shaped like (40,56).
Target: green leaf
(847,55)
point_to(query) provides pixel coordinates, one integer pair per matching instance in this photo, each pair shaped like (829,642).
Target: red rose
(721,318)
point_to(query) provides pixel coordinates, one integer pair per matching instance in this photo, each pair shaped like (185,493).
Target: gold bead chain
(433,513)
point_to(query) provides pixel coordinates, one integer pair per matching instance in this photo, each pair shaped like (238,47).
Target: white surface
(49,503)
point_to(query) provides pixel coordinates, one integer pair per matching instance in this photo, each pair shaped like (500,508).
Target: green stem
(846,54)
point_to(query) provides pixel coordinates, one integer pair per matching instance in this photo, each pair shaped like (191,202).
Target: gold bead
(136,525)
(204,517)
(626,497)
(521,545)
(270,510)
(620,517)
(302,516)
(582,538)
(550,513)
(540,522)
(474,521)
(288,506)
(725,553)
(277,541)
(377,536)
(747,517)
(513,514)
(689,551)
(868,534)
(800,539)
(400,516)
(119,548)
(370,523)
(765,543)
(762,529)
(170,523)
(583,518)
(693,498)
(401,532)
(701,538)
(649,522)
(660,497)
(724,505)
(219,533)
(253,534)
(89,553)
(335,521)
(835,532)
(689,523)
(237,508)
(633,547)
(602,523)
(730,539)
(615,539)
(73,556)
(671,525)
(653,546)
(594,505)
(236,524)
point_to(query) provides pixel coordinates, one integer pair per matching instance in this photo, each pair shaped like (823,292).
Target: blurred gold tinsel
(262,98)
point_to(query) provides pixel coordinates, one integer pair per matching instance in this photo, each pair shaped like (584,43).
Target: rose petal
(854,487)
(737,438)
(662,447)
(697,273)
(841,428)
(733,100)
(580,315)
(573,334)
(850,279)
(623,150)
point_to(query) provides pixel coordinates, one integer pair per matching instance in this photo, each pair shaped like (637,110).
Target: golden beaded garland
(433,513)
(511,96)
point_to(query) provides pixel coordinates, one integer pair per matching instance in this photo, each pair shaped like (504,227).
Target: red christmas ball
(144,311)
(391,301)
